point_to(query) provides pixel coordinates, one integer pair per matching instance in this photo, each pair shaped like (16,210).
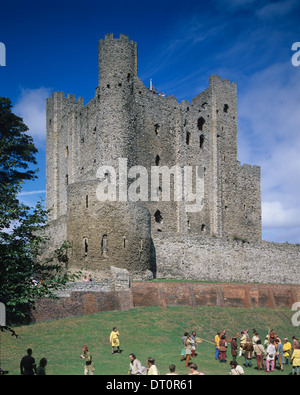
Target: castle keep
(127,120)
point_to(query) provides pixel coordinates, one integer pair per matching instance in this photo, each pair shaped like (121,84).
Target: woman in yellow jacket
(287,347)
(114,340)
(296,361)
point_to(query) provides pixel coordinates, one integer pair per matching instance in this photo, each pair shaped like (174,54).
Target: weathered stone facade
(127,120)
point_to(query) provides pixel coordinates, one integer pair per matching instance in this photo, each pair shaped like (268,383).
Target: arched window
(201,122)
(157,160)
(226,107)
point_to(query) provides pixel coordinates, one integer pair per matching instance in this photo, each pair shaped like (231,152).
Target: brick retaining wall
(165,294)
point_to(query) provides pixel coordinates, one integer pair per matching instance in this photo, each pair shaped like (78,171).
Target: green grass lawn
(149,331)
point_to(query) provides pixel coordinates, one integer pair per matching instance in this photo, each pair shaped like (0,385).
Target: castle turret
(117,71)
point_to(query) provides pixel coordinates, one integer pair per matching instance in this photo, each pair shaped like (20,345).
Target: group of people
(136,368)
(270,353)
(189,344)
(28,365)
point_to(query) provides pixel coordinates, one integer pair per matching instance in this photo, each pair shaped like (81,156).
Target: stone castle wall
(212,259)
(126,120)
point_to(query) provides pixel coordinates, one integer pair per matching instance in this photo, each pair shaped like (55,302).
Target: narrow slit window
(188,138)
(156,128)
(104,245)
(86,246)
(157,160)
(201,142)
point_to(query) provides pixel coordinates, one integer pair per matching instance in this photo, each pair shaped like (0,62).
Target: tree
(24,276)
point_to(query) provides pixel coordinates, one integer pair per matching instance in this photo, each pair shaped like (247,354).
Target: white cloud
(31,106)
(32,193)
(274,214)
(269,135)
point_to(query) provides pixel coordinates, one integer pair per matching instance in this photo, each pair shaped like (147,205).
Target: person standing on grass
(89,367)
(114,340)
(260,353)
(279,352)
(243,340)
(41,370)
(217,347)
(223,348)
(255,337)
(188,348)
(183,339)
(234,347)
(193,336)
(295,343)
(248,353)
(270,356)
(287,347)
(27,365)
(296,361)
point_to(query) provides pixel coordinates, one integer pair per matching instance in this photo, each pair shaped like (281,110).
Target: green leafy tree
(24,275)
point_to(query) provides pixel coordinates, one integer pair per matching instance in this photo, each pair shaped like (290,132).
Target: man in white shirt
(135,366)
(236,370)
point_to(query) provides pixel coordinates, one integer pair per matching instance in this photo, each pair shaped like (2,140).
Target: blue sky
(52,46)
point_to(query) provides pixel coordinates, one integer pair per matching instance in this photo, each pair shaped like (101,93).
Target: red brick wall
(210,294)
(168,294)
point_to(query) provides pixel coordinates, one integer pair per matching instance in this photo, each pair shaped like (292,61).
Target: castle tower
(117,71)
(126,123)
(112,232)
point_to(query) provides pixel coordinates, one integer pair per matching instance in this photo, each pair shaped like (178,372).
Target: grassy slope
(150,331)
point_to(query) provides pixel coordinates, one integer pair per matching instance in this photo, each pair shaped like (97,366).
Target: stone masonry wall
(213,259)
